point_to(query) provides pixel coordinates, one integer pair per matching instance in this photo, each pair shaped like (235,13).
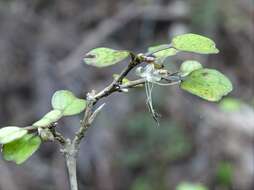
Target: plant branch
(114,86)
(58,136)
(95,113)
(132,84)
(70,153)
(85,123)
(93,98)
(72,147)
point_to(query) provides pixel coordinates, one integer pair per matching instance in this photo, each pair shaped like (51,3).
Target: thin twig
(84,123)
(95,113)
(58,136)
(114,86)
(133,84)
(93,98)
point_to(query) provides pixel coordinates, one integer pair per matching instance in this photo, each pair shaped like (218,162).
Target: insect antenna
(149,102)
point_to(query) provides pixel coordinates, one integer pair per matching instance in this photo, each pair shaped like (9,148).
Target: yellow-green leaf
(194,43)
(49,118)
(163,51)
(208,84)
(11,133)
(66,102)
(103,57)
(76,107)
(20,150)
(188,66)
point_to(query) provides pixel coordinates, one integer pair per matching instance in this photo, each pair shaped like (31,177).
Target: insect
(155,76)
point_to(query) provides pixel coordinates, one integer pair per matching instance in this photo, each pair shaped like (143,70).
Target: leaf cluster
(20,143)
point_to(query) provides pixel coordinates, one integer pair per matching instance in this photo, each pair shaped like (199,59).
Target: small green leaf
(194,43)
(188,66)
(76,107)
(103,57)
(208,84)
(20,150)
(11,133)
(61,99)
(190,186)
(164,53)
(67,103)
(231,105)
(49,118)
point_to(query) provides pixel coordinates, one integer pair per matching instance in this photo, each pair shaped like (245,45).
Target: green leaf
(164,53)
(76,107)
(20,150)
(188,66)
(208,84)
(103,57)
(230,105)
(11,133)
(190,186)
(194,43)
(49,118)
(67,103)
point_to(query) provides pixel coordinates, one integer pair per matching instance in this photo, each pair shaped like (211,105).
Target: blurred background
(198,146)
